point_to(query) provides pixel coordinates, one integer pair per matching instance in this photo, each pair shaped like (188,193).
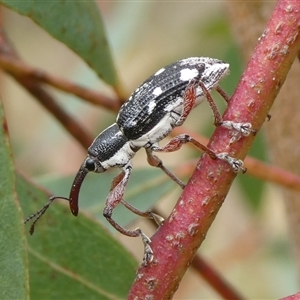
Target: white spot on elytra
(157,91)
(159,71)
(151,107)
(188,74)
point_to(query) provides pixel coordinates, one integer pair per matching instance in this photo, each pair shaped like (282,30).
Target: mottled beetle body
(152,111)
(158,105)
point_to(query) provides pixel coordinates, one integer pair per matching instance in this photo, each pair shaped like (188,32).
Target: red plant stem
(175,243)
(292,297)
(209,274)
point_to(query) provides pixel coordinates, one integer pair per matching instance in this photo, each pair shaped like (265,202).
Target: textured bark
(282,132)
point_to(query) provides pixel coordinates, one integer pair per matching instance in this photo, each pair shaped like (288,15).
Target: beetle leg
(243,128)
(113,199)
(154,161)
(236,164)
(217,115)
(189,99)
(225,96)
(178,141)
(148,214)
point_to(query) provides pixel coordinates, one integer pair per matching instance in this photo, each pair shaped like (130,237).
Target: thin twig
(35,89)
(14,65)
(68,122)
(215,280)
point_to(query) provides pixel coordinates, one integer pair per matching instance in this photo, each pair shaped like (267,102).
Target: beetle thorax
(111,149)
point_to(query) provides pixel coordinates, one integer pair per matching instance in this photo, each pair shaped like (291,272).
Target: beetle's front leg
(189,100)
(113,199)
(147,214)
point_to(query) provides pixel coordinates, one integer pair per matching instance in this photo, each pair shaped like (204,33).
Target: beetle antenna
(40,212)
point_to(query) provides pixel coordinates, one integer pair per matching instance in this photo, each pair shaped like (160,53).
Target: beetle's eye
(90,164)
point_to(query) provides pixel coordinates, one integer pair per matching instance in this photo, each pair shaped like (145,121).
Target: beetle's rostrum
(158,105)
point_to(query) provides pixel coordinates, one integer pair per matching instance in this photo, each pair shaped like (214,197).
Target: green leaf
(145,188)
(78,24)
(73,258)
(13,259)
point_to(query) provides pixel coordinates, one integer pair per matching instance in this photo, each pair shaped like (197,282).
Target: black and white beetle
(158,105)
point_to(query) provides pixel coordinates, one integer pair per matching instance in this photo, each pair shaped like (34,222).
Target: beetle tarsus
(237,165)
(148,252)
(244,128)
(159,220)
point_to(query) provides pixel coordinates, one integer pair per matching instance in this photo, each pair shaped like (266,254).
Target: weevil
(159,104)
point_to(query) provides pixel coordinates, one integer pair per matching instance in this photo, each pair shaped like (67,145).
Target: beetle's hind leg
(148,252)
(147,214)
(154,161)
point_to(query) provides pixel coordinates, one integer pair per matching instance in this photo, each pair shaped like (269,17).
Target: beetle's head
(109,149)
(91,164)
